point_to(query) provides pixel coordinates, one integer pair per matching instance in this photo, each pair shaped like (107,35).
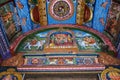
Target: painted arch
(74,38)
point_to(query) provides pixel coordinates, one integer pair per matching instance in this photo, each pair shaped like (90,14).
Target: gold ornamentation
(42,12)
(84,12)
(113,73)
(80,12)
(31,14)
(91,15)
(10,72)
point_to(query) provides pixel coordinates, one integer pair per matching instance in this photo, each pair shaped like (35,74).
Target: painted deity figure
(61,9)
(9,77)
(61,40)
(114,75)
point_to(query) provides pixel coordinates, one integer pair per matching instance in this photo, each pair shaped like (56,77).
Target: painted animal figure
(85,44)
(94,45)
(82,44)
(69,62)
(39,44)
(53,61)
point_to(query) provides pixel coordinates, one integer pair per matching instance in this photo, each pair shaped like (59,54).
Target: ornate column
(80,12)
(4,45)
(118,46)
(42,12)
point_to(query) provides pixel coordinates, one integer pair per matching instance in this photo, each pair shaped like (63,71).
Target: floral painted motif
(113,20)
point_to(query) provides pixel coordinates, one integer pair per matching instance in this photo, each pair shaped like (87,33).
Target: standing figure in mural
(7,16)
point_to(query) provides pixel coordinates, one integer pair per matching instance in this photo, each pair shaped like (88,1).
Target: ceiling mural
(60,39)
(9,16)
(52,12)
(62,12)
(59,36)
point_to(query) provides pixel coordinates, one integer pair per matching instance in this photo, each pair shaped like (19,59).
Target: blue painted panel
(100,13)
(15,17)
(24,13)
(71,20)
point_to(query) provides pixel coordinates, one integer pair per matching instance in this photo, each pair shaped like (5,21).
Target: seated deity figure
(9,77)
(113,75)
(61,40)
